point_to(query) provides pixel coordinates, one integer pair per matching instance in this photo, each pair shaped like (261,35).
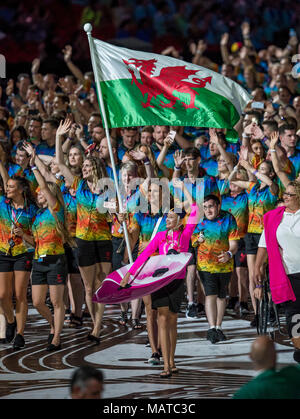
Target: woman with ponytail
(93,235)
(49,264)
(17,211)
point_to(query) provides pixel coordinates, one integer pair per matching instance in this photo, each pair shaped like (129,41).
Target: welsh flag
(140,88)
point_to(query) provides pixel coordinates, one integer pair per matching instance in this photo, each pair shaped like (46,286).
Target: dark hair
(52,121)
(25,186)
(5,111)
(287,89)
(21,130)
(129,128)
(285,127)
(36,118)
(269,163)
(148,128)
(97,114)
(64,98)
(271,124)
(24,75)
(4,125)
(192,151)
(213,198)
(83,374)
(255,114)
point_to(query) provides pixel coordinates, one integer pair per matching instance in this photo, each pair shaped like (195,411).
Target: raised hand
(168,141)
(201,47)
(67,51)
(250,128)
(137,155)
(35,65)
(213,136)
(245,164)
(64,127)
(245,28)
(30,150)
(79,131)
(179,158)
(72,130)
(2,154)
(10,87)
(243,53)
(63,85)
(257,133)
(274,139)
(224,39)
(243,153)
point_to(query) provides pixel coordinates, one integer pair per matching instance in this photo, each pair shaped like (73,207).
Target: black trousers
(293,307)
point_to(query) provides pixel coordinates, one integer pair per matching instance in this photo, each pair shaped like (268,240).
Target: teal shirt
(271,384)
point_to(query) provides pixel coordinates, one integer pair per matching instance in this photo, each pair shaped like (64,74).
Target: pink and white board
(144,283)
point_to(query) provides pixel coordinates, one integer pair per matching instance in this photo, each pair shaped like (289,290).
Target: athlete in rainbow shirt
(93,236)
(168,299)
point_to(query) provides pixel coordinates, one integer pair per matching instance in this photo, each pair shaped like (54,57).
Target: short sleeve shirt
(91,224)
(10,217)
(217,234)
(47,239)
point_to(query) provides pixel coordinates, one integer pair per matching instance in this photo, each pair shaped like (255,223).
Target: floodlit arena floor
(206,370)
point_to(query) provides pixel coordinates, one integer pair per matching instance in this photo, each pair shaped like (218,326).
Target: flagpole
(88,29)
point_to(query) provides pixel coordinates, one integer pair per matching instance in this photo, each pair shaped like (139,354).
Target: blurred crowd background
(30,29)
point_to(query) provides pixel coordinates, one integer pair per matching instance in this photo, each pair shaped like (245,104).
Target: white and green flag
(140,88)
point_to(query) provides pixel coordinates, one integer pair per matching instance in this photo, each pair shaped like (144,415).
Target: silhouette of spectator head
(263,353)
(86,383)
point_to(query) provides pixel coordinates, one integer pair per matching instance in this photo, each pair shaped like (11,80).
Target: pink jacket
(159,241)
(280,285)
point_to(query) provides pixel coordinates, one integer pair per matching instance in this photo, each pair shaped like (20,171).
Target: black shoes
(50,338)
(221,335)
(10,331)
(296,355)
(94,339)
(244,309)
(232,303)
(52,348)
(3,341)
(19,342)
(191,311)
(212,335)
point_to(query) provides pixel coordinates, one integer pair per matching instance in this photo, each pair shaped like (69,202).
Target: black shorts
(251,241)
(72,259)
(118,245)
(169,296)
(53,270)
(215,283)
(240,258)
(21,262)
(193,251)
(91,252)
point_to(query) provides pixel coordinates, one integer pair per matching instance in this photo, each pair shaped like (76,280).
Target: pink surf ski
(158,271)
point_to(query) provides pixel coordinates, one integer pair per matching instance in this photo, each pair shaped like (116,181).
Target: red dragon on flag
(170,80)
